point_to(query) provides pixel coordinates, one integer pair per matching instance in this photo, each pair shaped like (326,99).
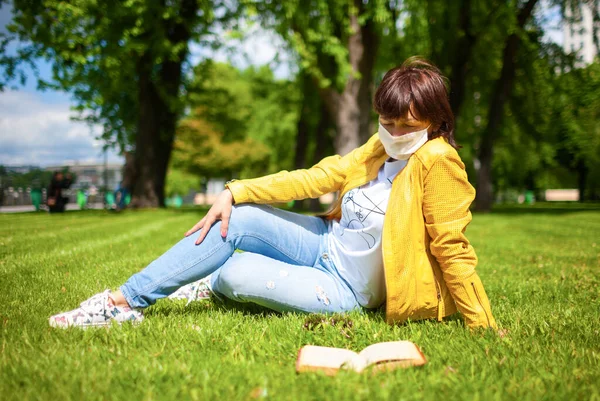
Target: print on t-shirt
(358,206)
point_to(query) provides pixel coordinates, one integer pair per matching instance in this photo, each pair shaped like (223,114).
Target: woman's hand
(220,210)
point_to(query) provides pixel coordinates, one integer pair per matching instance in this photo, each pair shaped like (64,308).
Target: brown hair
(419,88)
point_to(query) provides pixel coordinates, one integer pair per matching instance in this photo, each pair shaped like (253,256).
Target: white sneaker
(98,311)
(194,291)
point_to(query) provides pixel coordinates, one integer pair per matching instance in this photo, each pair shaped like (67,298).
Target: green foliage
(97,50)
(577,123)
(35,178)
(243,122)
(317,31)
(224,96)
(180,182)
(553,122)
(543,131)
(200,149)
(275,112)
(544,292)
(527,148)
(579,108)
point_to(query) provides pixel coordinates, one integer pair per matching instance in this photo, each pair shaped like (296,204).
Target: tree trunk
(582,174)
(502,89)
(154,141)
(302,129)
(462,58)
(158,93)
(322,144)
(456,54)
(439,27)
(320,135)
(351,109)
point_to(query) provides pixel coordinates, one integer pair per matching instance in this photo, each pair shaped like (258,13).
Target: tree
(200,149)
(337,43)
(248,106)
(35,178)
(501,92)
(456,31)
(180,182)
(577,123)
(314,139)
(123,62)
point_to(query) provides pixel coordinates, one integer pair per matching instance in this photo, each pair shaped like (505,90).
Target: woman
(396,235)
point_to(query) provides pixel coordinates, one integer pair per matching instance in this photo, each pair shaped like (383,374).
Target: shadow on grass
(167,308)
(178,308)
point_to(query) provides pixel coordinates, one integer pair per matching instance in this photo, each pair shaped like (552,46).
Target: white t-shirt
(355,240)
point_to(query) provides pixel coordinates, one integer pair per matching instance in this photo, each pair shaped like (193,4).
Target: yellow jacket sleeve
(326,176)
(447,195)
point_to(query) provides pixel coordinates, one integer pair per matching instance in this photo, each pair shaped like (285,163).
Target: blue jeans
(285,265)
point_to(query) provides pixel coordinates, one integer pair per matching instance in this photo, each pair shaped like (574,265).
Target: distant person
(125,188)
(55,200)
(81,199)
(120,196)
(395,236)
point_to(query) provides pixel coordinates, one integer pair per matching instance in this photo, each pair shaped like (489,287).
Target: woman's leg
(288,237)
(251,277)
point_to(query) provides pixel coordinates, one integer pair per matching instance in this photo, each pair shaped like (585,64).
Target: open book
(380,356)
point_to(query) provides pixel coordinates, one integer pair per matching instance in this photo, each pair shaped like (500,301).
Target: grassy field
(540,266)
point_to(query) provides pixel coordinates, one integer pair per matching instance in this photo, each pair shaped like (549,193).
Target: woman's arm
(326,176)
(284,186)
(447,196)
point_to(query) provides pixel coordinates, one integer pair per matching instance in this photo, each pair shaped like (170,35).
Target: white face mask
(401,147)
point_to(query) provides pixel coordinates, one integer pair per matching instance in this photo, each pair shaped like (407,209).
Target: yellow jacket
(428,262)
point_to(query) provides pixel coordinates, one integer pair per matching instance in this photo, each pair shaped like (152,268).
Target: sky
(36,129)
(35,126)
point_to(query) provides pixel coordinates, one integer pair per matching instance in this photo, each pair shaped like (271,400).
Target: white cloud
(37,131)
(35,127)
(258,47)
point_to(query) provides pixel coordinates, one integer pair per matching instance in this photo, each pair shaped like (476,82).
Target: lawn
(540,266)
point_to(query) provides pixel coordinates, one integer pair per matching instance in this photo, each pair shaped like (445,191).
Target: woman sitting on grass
(394,237)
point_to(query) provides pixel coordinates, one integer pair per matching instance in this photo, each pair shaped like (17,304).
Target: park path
(31,208)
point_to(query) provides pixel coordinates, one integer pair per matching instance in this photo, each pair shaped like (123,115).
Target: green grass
(540,268)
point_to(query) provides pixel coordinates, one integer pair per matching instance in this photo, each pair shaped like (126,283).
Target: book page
(330,360)
(396,353)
